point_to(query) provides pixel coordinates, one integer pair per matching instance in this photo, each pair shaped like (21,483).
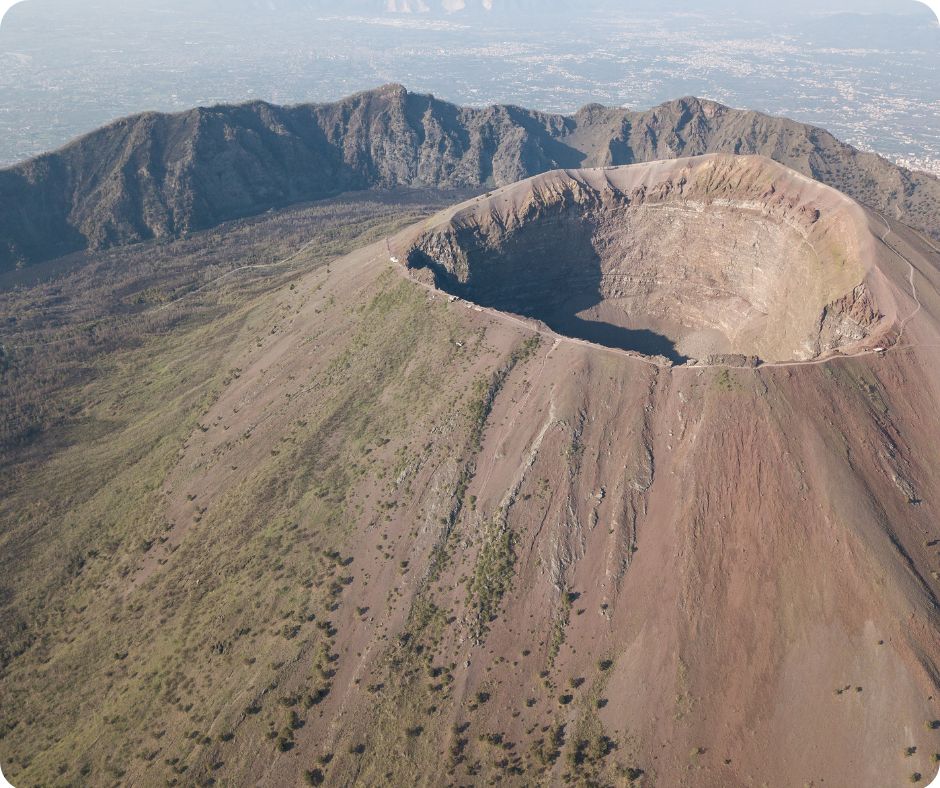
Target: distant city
(871,79)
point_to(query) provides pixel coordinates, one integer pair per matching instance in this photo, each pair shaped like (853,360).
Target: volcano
(614,476)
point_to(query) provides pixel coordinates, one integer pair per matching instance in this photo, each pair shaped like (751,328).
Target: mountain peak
(148,175)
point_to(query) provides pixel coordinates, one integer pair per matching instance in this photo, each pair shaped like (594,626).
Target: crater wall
(685,259)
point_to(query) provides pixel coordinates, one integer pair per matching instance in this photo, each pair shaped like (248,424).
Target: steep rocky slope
(356,532)
(161,176)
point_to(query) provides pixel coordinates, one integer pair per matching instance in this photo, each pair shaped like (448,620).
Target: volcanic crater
(714,259)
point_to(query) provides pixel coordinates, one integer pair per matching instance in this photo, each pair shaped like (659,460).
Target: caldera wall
(682,259)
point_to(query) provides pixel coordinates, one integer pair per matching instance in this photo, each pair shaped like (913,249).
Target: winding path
(259,266)
(910,277)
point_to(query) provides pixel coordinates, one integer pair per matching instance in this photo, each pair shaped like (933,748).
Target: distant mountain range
(164,175)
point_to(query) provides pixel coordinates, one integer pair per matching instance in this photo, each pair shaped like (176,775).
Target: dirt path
(258,267)
(910,276)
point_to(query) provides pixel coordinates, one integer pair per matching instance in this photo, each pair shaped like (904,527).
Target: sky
(5,5)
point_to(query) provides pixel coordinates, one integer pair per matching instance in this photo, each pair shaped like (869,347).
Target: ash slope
(391,539)
(691,260)
(162,176)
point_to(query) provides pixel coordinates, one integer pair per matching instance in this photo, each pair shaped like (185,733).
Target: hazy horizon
(864,70)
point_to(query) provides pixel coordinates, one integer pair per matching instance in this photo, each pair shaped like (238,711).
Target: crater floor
(687,260)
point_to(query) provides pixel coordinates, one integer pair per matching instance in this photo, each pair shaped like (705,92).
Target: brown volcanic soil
(687,259)
(729,573)
(752,550)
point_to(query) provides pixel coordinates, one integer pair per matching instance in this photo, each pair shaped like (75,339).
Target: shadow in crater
(641,340)
(550,272)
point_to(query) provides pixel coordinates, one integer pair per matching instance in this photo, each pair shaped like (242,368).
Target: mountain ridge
(156,175)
